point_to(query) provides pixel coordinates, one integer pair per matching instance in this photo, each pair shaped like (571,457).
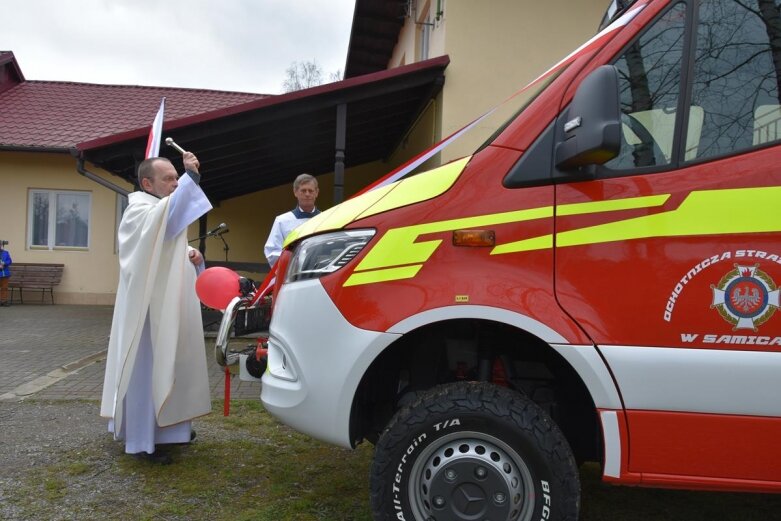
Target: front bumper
(316,360)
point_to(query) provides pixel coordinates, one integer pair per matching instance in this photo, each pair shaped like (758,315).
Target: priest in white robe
(156,379)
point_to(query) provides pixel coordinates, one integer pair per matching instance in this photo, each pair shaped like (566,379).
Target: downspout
(89,175)
(121,191)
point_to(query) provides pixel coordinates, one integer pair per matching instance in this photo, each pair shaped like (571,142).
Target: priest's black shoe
(160,457)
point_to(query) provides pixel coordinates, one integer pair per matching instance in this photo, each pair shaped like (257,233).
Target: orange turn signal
(476,238)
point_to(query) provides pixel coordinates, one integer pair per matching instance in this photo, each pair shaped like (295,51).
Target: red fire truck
(597,282)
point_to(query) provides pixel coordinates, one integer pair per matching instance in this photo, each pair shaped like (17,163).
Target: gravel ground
(37,434)
(57,460)
(70,436)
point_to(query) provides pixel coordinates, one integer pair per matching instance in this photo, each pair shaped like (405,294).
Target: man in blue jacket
(5,274)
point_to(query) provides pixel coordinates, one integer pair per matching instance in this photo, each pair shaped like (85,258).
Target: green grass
(77,468)
(266,472)
(248,467)
(54,487)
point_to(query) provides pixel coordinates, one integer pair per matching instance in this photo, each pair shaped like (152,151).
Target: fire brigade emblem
(746,297)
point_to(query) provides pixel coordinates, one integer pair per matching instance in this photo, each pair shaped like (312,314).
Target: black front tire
(473,451)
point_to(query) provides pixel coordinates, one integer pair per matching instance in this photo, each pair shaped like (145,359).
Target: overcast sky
(239,45)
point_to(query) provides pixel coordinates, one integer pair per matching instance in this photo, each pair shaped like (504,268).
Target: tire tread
(509,406)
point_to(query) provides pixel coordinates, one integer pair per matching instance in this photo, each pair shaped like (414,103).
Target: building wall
(428,128)
(501,47)
(407,48)
(90,275)
(249,217)
(495,49)
(424,133)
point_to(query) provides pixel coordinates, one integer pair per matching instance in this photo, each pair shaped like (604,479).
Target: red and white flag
(153,143)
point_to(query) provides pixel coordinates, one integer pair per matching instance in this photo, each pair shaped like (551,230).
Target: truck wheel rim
(470,476)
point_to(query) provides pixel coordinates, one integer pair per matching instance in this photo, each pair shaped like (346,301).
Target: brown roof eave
(440,61)
(24,148)
(374,31)
(8,56)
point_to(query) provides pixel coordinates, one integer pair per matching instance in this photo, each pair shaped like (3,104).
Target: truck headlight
(324,254)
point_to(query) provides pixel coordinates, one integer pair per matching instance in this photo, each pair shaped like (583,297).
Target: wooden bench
(27,276)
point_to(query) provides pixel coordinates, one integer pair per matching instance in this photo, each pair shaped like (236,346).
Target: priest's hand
(195,257)
(191,163)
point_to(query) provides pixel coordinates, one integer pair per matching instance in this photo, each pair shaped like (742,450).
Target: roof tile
(51,114)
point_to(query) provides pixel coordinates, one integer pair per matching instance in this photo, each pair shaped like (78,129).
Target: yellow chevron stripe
(398,246)
(370,277)
(614,205)
(546,241)
(410,190)
(426,185)
(340,215)
(729,211)
(713,212)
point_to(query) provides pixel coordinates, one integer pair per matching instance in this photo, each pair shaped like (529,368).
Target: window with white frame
(425,37)
(58,219)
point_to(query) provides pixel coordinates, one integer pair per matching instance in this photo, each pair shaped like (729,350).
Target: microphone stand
(226,248)
(204,236)
(220,235)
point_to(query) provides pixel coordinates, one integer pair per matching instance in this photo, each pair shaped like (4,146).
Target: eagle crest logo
(746,297)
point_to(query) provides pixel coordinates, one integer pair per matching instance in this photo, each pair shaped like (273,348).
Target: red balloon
(217,286)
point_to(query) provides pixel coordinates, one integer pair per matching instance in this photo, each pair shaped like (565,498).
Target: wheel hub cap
(470,479)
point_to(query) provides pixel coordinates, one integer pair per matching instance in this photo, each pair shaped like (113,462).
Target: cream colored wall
(427,130)
(495,48)
(404,52)
(498,48)
(90,276)
(250,217)
(424,133)
(355,179)
(407,48)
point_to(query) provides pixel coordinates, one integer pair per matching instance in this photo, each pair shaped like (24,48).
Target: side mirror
(592,124)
